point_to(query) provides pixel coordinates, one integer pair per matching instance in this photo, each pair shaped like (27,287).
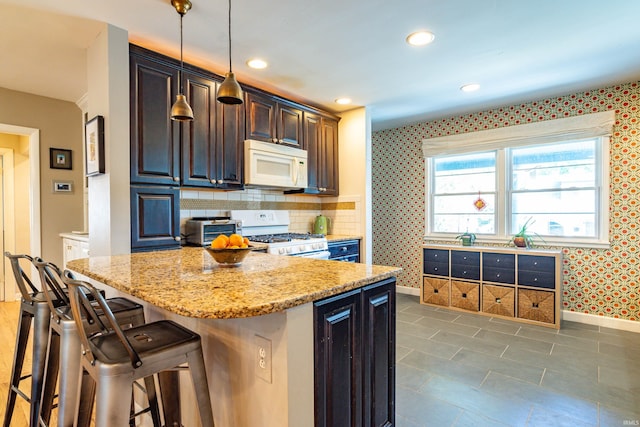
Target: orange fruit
(220,242)
(235,240)
(246,241)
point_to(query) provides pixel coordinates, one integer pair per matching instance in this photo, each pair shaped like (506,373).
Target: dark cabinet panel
(436,262)
(199,135)
(338,365)
(355,357)
(155,218)
(537,271)
(328,158)
(261,117)
(378,316)
(345,250)
(498,267)
(230,147)
(289,126)
(155,139)
(465,265)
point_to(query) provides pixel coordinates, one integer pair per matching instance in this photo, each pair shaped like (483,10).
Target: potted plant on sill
(467,238)
(524,238)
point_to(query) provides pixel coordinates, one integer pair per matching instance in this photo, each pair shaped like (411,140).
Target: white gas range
(271,228)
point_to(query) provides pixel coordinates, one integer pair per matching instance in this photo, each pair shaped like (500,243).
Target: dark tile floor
(459,369)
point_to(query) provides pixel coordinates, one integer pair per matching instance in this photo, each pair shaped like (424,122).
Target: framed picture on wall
(59,158)
(94,146)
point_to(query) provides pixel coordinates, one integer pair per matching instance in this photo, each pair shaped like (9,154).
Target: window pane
(457,214)
(567,165)
(468,173)
(556,213)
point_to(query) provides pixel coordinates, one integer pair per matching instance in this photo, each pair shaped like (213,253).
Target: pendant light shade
(230,91)
(181,110)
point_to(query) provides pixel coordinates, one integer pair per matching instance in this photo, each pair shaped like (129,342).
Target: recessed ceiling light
(257,63)
(420,38)
(343,101)
(472,87)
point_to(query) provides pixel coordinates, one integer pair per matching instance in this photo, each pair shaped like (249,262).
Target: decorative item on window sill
(181,110)
(229,91)
(524,238)
(467,238)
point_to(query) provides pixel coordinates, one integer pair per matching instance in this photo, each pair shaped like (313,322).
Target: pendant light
(181,110)
(230,91)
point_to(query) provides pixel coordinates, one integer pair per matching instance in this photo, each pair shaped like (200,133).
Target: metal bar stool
(115,358)
(64,353)
(34,309)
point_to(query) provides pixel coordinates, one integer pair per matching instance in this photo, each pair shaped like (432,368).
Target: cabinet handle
(498,301)
(177,238)
(176,178)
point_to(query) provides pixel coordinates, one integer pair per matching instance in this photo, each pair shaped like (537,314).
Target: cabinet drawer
(538,271)
(536,305)
(341,249)
(435,291)
(502,261)
(436,262)
(499,300)
(498,275)
(465,295)
(465,265)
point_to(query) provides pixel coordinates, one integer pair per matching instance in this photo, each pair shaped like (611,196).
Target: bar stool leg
(195,359)
(150,385)
(50,374)
(85,407)
(41,320)
(114,395)
(170,392)
(69,374)
(22,337)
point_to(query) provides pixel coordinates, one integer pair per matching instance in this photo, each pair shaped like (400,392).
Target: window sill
(505,241)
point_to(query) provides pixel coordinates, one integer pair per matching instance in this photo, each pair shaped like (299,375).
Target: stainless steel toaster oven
(201,231)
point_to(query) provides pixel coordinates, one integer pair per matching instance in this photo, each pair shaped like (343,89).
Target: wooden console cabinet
(518,284)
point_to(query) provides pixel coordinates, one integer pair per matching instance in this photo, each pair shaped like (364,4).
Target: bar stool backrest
(27,288)
(54,289)
(81,295)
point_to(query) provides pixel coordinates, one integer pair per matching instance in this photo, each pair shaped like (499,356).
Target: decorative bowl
(229,257)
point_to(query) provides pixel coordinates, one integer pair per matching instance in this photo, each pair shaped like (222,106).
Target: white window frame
(552,131)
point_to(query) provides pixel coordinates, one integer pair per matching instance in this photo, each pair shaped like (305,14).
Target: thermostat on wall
(62,186)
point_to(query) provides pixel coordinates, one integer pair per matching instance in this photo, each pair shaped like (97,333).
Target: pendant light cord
(181,62)
(230,70)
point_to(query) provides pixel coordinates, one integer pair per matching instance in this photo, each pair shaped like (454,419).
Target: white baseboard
(607,322)
(572,316)
(407,290)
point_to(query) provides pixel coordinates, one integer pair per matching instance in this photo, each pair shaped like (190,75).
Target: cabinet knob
(176,178)
(213,181)
(220,181)
(343,249)
(275,140)
(177,238)
(280,141)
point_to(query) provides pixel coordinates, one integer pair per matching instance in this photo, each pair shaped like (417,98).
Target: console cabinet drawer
(465,265)
(436,262)
(499,300)
(435,291)
(537,271)
(465,295)
(536,305)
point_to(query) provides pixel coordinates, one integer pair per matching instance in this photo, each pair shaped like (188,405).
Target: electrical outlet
(263,358)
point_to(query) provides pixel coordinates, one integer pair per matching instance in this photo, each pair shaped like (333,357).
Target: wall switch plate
(263,358)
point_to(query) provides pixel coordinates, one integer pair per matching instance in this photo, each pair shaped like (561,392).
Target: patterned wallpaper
(595,281)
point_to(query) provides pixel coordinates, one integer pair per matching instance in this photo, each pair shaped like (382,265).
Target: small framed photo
(59,158)
(63,186)
(94,146)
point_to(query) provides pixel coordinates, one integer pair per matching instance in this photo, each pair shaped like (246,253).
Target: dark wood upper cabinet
(155,138)
(212,144)
(273,121)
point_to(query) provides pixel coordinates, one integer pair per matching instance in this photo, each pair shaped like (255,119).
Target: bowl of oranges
(229,251)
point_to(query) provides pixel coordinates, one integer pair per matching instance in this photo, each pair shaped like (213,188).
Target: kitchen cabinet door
(155,138)
(199,135)
(155,218)
(328,158)
(230,147)
(273,121)
(338,360)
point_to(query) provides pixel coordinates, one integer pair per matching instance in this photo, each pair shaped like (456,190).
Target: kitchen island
(257,323)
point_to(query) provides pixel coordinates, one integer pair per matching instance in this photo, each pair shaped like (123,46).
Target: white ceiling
(318,51)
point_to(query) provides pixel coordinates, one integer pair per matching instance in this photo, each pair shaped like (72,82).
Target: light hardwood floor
(8,322)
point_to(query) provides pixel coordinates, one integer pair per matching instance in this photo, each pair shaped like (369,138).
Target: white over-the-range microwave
(274,165)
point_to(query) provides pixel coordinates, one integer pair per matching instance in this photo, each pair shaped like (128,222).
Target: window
(559,185)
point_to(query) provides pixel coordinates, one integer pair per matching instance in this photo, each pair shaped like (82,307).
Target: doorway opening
(20,204)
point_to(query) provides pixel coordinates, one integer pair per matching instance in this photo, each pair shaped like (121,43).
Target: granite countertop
(341,237)
(189,282)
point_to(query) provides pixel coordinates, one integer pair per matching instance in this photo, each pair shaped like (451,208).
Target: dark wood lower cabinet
(155,218)
(355,357)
